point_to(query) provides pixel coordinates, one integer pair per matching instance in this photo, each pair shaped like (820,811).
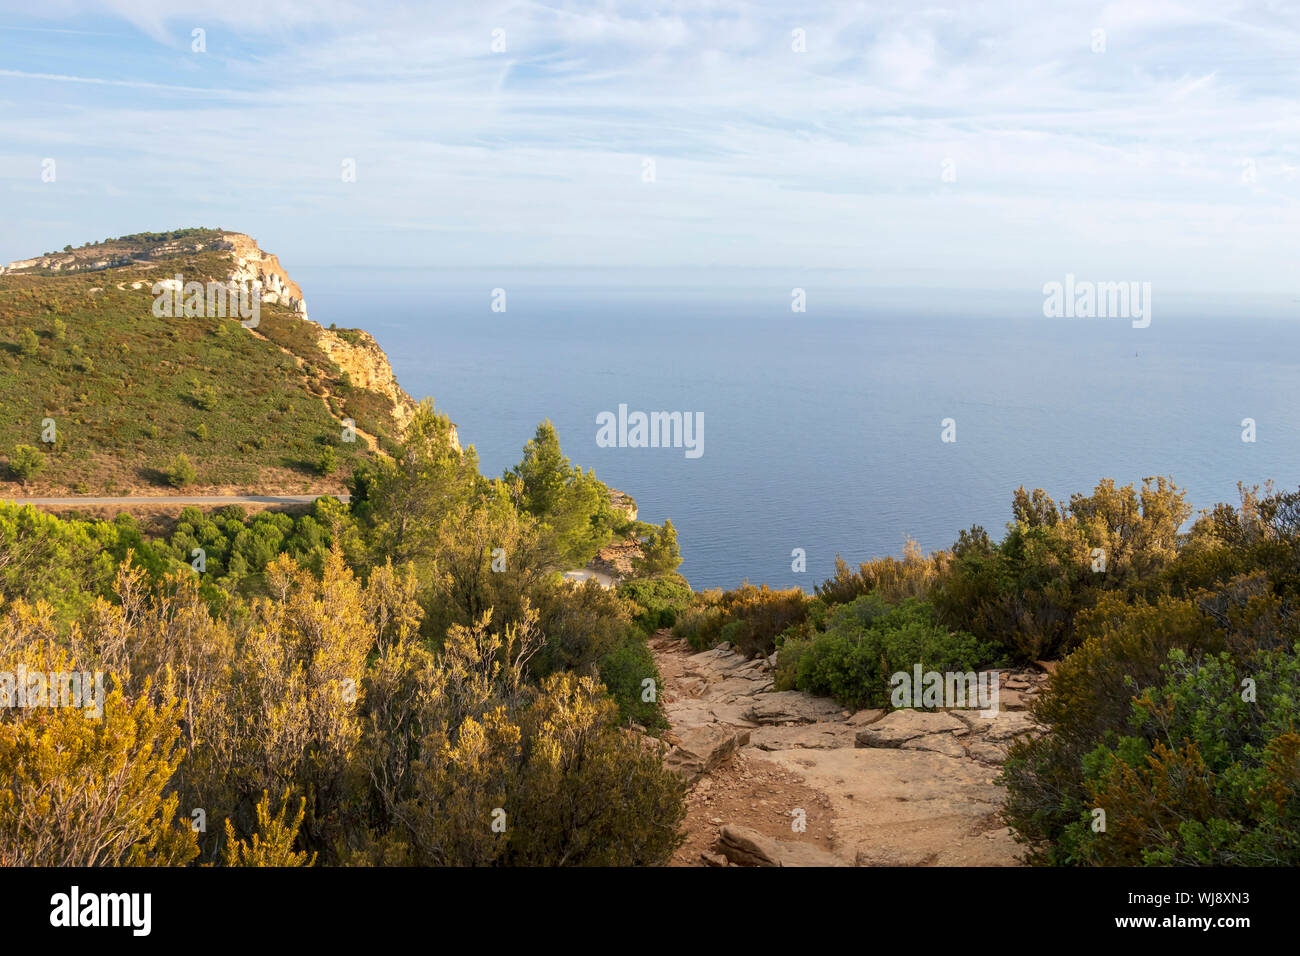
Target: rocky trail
(788,779)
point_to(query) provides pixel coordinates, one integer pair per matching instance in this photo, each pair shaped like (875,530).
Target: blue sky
(1171,157)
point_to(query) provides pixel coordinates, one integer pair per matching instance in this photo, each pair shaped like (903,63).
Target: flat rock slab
(746,847)
(896,807)
(901,726)
(733,689)
(814,736)
(1008,725)
(794,707)
(688,712)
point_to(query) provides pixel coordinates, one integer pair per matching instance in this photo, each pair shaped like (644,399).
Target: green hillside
(128,391)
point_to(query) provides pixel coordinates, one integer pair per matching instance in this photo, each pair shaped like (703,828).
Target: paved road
(89,501)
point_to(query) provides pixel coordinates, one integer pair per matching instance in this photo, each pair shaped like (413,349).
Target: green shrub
(659,600)
(582,625)
(1087,703)
(700,626)
(25,461)
(1210,774)
(624,671)
(866,642)
(205,397)
(328,462)
(180,471)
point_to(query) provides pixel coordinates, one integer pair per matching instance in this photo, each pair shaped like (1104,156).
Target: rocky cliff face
(366,365)
(250,264)
(262,270)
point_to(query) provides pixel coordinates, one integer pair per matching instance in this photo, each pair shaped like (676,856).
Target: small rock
(703,748)
(864,717)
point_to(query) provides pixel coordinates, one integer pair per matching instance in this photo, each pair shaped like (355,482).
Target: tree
(659,552)
(544,471)
(328,462)
(571,503)
(180,471)
(488,557)
(401,500)
(28,343)
(25,462)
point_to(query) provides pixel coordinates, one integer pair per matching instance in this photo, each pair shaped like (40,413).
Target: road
(90,501)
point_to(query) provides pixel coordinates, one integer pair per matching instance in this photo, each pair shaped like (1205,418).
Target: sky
(975,145)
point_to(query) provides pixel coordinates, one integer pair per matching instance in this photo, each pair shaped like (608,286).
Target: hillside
(127,390)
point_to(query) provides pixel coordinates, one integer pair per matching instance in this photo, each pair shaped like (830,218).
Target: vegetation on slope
(127,392)
(1171,718)
(407,680)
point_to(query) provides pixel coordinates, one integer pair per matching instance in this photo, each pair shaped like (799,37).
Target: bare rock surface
(782,778)
(747,847)
(703,747)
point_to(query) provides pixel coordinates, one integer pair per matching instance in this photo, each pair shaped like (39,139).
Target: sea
(873,415)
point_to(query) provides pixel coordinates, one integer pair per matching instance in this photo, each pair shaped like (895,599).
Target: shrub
(895,580)
(1087,703)
(866,642)
(328,462)
(700,626)
(28,343)
(577,790)
(1207,778)
(205,397)
(624,671)
(761,614)
(582,625)
(25,462)
(180,471)
(659,600)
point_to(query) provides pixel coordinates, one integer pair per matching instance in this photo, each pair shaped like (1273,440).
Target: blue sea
(822,429)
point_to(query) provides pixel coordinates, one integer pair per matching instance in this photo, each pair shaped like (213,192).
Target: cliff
(130,389)
(248,262)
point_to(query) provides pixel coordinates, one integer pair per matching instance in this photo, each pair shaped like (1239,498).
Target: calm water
(822,430)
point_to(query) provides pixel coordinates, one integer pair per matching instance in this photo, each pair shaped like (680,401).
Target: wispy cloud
(1172,155)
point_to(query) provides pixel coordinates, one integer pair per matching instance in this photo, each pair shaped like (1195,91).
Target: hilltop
(127,391)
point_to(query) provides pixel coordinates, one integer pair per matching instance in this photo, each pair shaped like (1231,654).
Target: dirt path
(789,779)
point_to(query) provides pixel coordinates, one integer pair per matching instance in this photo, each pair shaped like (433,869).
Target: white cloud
(1128,161)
